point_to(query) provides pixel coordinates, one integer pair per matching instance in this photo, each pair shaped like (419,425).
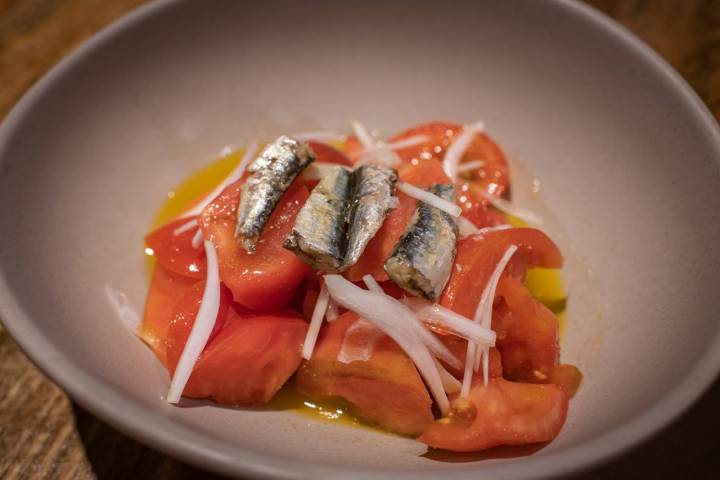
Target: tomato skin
(527,333)
(478,255)
(250,359)
(175,252)
(567,377)
(183,319)
(372,260)
(268,278)
(386,389)
(501,413)
(492,177)
(166,289)
(325,153)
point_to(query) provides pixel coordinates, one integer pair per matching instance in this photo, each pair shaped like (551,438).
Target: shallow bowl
(627,156)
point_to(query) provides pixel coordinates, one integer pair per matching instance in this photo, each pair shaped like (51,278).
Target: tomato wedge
(501,413)
(478,255)
(175,252)
(325,153)
(183,318)
(527,333)
(492,176)
(267,278)
(386,389)
(166,289)
(248,360)
(382,244)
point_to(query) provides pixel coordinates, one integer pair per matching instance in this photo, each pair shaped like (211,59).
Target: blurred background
(44,435)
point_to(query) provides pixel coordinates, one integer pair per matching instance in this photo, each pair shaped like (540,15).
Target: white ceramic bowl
(627,154)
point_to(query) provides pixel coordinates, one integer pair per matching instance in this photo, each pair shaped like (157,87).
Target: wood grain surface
(44,435)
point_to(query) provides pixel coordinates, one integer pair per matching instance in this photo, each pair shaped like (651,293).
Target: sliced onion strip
(471,165)
(233,176)
(483,316)
(315,323)
(450,383)
(363,135)
(189,225)
(439,316)
(429,198)
(456,150)
(203,326)
(512,209)
(197,239)
(331,314)
(376,309)
(398,309)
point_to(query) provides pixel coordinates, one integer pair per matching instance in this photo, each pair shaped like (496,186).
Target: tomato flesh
(166,289)
(183,319)
(386,389)
(175,252)
(501,413)
(267,278)
(325,153)
(478,255)
(527,333)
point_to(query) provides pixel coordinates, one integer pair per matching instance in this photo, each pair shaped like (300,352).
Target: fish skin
(373,195)
(318,236)
(422,260)
(271,174)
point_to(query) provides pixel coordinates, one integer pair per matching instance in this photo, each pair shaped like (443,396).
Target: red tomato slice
(248,360)
(166,289)
(353,148)
(325,153)
(267,278)
(527,333)
(386,389)
(478,256)
(501,413)
(175,252)
(382,244)
(183,318)
(492,176)
(567,377)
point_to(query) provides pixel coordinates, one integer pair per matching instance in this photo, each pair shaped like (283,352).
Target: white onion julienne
(331,314)
(512,209)
(438,316)
(456,150)
(396,308)
(362,134)
(202,328)
(450,383)
(197,239)
(471,165)
(429,198)
(185,227)
(315,322)
(467,229)
(376,309)
(483,316)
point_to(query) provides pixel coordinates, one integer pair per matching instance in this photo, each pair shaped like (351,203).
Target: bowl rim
(160,432)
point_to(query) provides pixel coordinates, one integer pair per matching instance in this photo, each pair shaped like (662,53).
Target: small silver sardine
(270,176)
(318,236)
(373,196)
(422,260)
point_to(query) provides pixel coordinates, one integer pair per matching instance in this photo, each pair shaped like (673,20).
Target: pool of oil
(546,285)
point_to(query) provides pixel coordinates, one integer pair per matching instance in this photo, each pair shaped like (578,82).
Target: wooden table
(44,435)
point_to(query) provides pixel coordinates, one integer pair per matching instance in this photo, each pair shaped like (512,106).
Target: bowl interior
(627,161)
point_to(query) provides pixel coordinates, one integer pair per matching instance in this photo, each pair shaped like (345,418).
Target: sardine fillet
(422,260)
(271,175)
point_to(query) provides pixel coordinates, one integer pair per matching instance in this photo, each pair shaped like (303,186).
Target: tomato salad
(387,274)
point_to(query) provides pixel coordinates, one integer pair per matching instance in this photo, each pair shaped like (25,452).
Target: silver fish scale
(272,173)
(422,260)
(318,236)
(374,189)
